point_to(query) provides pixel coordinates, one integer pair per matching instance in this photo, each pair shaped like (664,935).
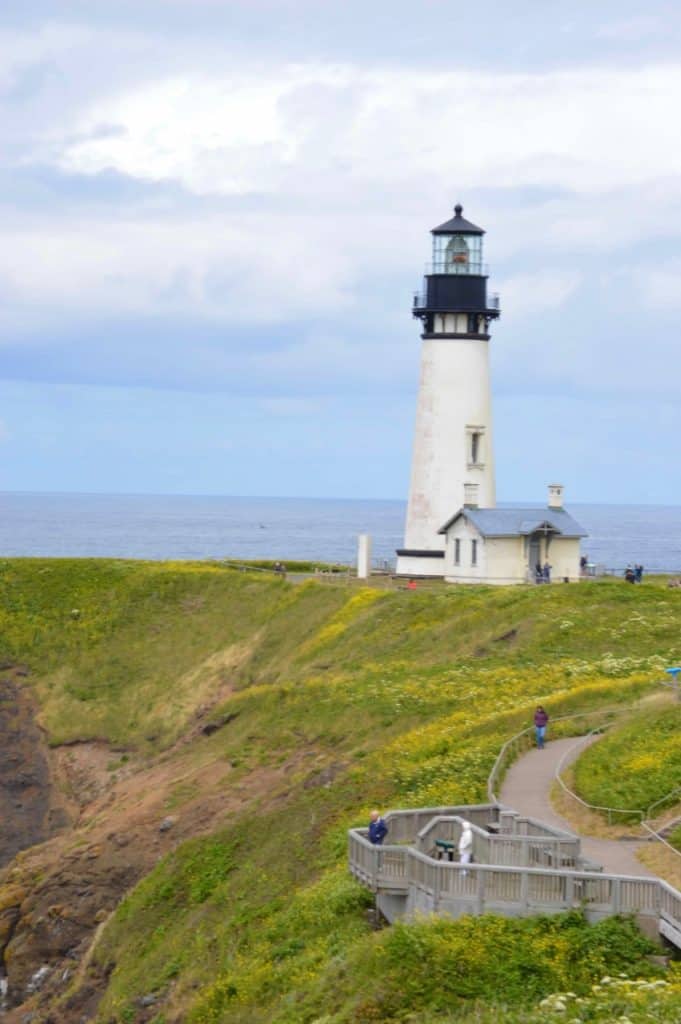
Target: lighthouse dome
(458,225)
(457,246)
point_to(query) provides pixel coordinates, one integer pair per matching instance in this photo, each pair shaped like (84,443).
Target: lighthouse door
(534,556)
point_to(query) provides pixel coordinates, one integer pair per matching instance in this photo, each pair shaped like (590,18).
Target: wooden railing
(531,848)
(477,888)
(439,886)
(404,826)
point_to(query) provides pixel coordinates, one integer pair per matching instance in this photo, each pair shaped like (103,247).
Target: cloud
(245,132)
(186,210)
(526,294)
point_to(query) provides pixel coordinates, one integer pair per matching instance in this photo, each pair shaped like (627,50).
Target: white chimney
(556,495)
(470,495)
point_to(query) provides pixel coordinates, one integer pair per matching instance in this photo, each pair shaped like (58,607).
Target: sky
(214,214)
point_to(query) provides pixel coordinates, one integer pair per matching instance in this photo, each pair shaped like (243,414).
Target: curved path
(527,789)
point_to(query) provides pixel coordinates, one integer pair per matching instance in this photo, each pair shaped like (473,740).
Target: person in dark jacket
(541,720)
(378,829)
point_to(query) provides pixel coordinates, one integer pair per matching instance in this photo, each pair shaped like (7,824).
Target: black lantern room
(456,280)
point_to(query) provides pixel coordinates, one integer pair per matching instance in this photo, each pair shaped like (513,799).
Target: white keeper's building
(454,529)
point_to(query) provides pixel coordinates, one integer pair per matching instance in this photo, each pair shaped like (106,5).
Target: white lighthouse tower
(453,461)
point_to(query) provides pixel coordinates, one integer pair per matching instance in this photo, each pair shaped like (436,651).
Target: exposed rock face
(58,894)
(27,809)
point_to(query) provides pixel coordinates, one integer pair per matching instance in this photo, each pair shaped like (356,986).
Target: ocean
(199,526)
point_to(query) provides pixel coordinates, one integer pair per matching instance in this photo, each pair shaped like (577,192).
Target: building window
(474,552)
(475,446)
(457,551)
(472,323)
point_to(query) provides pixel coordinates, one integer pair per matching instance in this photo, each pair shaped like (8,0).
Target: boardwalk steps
(521,867)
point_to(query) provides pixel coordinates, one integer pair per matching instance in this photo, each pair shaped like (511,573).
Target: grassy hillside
(124,651)
(349,697)
(634,765)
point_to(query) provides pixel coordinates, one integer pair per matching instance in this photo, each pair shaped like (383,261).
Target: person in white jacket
(465,844)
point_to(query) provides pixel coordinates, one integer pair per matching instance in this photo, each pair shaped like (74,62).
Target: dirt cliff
(57,892)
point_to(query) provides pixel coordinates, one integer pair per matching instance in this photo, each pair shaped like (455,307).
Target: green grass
(437,965)
(406,696)
(118,650)
(291,565)
(634,765)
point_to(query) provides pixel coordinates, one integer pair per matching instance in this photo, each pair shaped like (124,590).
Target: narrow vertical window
(457,551)
(475,448)
(474,552)
(472,323)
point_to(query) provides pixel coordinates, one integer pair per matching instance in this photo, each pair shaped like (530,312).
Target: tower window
(457,551)
(457,251)
(472,323)
(475,446)
(474,552)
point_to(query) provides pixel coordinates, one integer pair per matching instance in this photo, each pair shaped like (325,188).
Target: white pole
(363,556)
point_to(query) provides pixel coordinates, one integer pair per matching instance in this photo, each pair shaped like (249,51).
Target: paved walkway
(527,788)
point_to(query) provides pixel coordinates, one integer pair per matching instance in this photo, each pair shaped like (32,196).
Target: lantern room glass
(457,254)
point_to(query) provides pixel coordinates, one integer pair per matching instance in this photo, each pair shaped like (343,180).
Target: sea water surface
(198,526)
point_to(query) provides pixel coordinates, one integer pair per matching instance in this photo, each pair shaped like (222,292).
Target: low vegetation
(366,697)
(634,765)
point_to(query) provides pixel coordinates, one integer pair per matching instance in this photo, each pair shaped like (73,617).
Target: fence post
(524,887)
(481,892)
(616,895)
(569,891)
(437,887)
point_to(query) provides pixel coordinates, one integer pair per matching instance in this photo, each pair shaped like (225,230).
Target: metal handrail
(676,792)
(644,815)
(585,803)
(471,268)
(493,781)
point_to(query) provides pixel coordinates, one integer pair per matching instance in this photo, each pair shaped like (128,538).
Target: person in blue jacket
(378,829)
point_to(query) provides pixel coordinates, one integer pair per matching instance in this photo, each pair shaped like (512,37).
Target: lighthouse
(453,456)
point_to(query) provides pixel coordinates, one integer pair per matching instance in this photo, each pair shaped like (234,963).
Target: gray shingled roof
(518,522)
